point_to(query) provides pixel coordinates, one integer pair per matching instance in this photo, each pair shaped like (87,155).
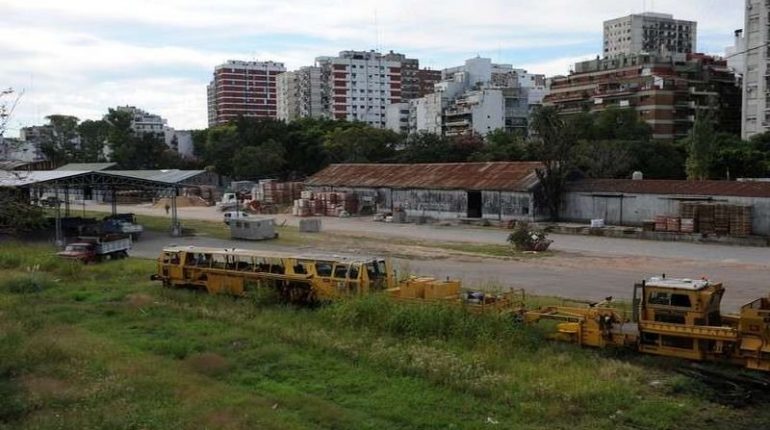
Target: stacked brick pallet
(281,193)
(325,204)
(708,218)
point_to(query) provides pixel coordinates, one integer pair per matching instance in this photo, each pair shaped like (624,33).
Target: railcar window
(323,268)
(340,271)
(354,269)
(680,300)
(219,261)
(382,269)
(659,298)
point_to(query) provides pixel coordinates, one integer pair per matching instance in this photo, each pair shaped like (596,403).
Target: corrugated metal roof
(87,166)
(159,177)
(499,176)
(12,164)
(170,176)
(684,188)
(20,179)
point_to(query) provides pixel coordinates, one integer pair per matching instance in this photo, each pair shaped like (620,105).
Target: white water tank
(637,176)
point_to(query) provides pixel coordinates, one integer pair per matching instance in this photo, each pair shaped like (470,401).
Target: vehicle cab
(234,215)
(79,251)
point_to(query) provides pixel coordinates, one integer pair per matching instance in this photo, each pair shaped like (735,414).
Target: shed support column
(114,202)
(59,240)
(176,228)
(67,201)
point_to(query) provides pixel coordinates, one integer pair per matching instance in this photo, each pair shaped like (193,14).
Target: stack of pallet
(721,219)
(281,193)
(660,223)
(705,216)
(325,204)
(688,225)
(740,220)
(673,224)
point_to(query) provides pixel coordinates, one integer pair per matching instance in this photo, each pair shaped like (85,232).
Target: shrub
(526,238)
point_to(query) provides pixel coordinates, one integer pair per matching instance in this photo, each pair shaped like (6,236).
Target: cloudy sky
(80,57)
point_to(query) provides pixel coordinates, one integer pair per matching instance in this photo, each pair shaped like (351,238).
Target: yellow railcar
(297,277)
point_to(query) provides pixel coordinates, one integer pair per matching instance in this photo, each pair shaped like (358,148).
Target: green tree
(93,139)
(604,158)
(255,162)
(424,147)
(736,158)
(59,140)
(361,144)
(501,146)
(553,145)
(659,159)
(701,146)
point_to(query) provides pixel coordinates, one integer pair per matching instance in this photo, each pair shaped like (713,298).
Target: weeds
(29,283)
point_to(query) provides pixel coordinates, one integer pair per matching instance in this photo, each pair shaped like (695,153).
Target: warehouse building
(490,190)
(633,202)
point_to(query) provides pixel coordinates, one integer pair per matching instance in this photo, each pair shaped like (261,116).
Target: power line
(747,50)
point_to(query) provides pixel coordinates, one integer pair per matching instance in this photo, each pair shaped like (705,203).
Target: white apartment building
(361,84)
(478,96)
(650,33)
(148,123)
(755,117)
(735,55)
(300,94)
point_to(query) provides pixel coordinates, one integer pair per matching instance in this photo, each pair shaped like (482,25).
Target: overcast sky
(80,57)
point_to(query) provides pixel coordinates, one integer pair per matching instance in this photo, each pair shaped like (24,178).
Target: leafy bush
(526,238)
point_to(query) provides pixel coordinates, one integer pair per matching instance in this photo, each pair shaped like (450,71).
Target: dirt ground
(583,267)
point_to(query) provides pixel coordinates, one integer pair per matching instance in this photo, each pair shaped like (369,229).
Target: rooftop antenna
(377,32)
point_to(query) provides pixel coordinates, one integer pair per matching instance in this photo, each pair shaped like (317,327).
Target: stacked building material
(740,220)
(326,204)
(705,216)
(688,209)
(688,225)
(281,193)
(721,219)
(673,224)
(660,223)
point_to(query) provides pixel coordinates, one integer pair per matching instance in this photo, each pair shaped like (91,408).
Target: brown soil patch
(208,363)
(139,300)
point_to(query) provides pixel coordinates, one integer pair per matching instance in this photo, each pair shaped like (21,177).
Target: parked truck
(121,226)
(91,249)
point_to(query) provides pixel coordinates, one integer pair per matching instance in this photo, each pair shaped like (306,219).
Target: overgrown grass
(111,349)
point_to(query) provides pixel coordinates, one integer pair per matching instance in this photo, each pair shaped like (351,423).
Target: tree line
(609,144)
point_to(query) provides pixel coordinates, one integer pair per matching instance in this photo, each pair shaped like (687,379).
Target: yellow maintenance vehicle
(671,317)
(308,278)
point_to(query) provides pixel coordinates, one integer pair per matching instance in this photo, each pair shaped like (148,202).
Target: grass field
(101,346)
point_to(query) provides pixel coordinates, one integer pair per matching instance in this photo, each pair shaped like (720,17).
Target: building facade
(361,84)
(649,33)
(666,91)
(476,97)
(495,191)
(243,88)
(756,116)
(300,94)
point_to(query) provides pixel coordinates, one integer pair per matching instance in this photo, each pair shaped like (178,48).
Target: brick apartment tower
(245,88)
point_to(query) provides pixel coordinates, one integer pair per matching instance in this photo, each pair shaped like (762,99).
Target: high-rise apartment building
(360,85)
(667,92)
(756,96)
(415,82)
(648,33)
(428,79)
(476,97)
(300,94)
(245,88)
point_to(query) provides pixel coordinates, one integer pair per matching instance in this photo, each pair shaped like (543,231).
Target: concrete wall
(633,209)
(446,204)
